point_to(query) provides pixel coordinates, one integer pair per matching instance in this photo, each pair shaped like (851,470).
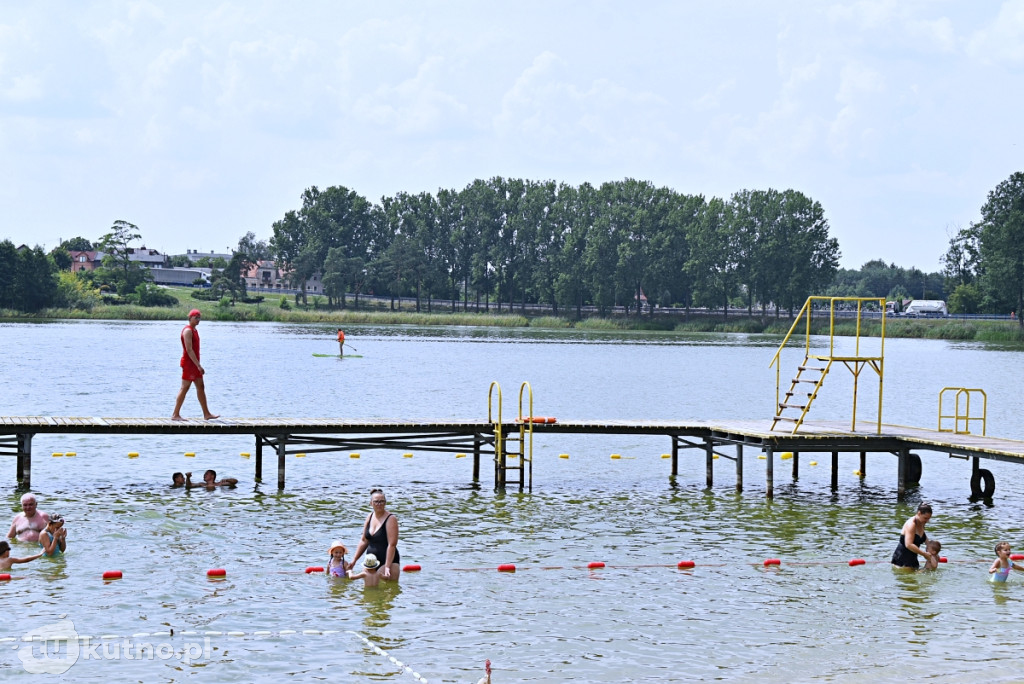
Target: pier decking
(310,435)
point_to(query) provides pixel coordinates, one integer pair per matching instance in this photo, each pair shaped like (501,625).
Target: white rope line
(394,661)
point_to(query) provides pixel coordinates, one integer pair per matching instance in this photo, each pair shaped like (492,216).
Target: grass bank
(270,310)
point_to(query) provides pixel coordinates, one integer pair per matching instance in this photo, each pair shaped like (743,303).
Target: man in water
(209,481)
(30,522)
(191,370)
(341,342)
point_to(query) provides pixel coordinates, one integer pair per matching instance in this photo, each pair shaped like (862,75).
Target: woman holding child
(912,540)
(380,537)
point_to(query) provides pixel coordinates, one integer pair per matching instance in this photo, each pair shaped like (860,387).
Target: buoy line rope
(395,661)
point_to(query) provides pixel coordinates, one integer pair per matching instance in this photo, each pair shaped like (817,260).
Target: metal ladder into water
(513,450)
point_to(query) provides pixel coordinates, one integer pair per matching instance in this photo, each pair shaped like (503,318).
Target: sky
(199,121)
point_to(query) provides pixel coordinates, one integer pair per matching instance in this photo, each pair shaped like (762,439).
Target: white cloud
(1002,40)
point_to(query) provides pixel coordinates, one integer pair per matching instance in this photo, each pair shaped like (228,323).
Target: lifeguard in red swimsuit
(341,342)
(191,370)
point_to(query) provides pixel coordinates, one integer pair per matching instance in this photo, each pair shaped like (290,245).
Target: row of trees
(515,241)
(984,263)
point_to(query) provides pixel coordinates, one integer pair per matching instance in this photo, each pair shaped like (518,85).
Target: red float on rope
(857,561)
(685,564)
(4,577)
(772,561)
(217,572)
(1017,556)
(314,568)
(506,567)
(412,567)
(942,559)
(112,574)
(595,564)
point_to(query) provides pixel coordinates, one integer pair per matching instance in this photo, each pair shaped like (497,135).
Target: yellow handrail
(966,418)
(490,419)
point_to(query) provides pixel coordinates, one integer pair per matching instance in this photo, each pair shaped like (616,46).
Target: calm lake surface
(640,619)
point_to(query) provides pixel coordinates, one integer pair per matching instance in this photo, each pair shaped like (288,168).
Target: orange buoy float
(595,564)
(685,564)
(1017,556)
(314,568)
(856,561)
(112,574)
(772,561)
(4,577)
(217,572)
(412,567)
(507,567)
(942,559)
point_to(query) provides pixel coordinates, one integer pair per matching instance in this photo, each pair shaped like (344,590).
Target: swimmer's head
(210,476)
(56,521)
(1001,546)
(924,508)
(370,562)
(337,546)
(933,546)
(5,549)
(28,499)
(178,479)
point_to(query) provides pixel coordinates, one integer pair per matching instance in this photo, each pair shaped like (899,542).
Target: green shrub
(284,303)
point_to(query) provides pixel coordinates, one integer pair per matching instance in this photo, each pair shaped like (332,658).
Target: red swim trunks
(189,370)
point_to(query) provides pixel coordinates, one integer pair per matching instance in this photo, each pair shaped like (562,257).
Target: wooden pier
(730,439)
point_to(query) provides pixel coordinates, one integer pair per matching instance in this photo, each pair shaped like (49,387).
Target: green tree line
(512,242)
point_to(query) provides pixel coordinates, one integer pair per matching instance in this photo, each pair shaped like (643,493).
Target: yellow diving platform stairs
(513,448)
(794,405)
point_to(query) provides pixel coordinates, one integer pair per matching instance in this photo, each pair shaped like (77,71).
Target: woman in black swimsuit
(380,537)
(912,539)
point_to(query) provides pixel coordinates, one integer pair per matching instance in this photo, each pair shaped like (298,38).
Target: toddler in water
(369,574)
(7,560)
(336,563)
(932,547)
(1002,565)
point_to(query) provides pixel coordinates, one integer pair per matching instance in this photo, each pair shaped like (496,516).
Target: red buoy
(507,567)
(4,577)
(595,564)
(856,561)
(685,564)
(112,574)
(772,561)
(412,567)
(217,572)
(942,559)
(551,421)
(1017,556)
(314,568)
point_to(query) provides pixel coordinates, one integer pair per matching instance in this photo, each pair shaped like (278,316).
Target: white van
(926,307)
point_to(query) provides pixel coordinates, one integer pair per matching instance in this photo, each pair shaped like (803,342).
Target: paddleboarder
(341,342)
(191,370)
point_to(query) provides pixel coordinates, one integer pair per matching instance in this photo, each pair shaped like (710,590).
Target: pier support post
(709,461)
(25,460)
(901,478)
(675,455)
(739,467)
(835,471)
(796,465)
(863,464)
(476,457)
(769,472)
(282,445)
(259,458)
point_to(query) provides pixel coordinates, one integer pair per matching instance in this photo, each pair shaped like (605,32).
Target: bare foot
(211,417)
(177,418)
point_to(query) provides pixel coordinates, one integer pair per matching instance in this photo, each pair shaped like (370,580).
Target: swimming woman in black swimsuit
(382,540)
(912,539)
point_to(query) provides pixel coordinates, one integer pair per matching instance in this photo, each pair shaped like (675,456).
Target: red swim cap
(194,312)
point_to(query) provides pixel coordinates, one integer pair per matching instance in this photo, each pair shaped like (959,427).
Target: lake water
(554,620)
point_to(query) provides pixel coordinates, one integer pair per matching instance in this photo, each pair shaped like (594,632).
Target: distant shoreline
(998,331)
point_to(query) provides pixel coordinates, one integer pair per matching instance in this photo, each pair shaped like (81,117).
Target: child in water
(54,539)
(336,563)
(369,574)
(7,560)
(1002,565)
(932,547)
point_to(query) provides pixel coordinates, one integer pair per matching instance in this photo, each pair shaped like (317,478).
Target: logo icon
(43,641)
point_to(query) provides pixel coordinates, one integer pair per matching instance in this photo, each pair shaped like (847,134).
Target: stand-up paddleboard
(336,356)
